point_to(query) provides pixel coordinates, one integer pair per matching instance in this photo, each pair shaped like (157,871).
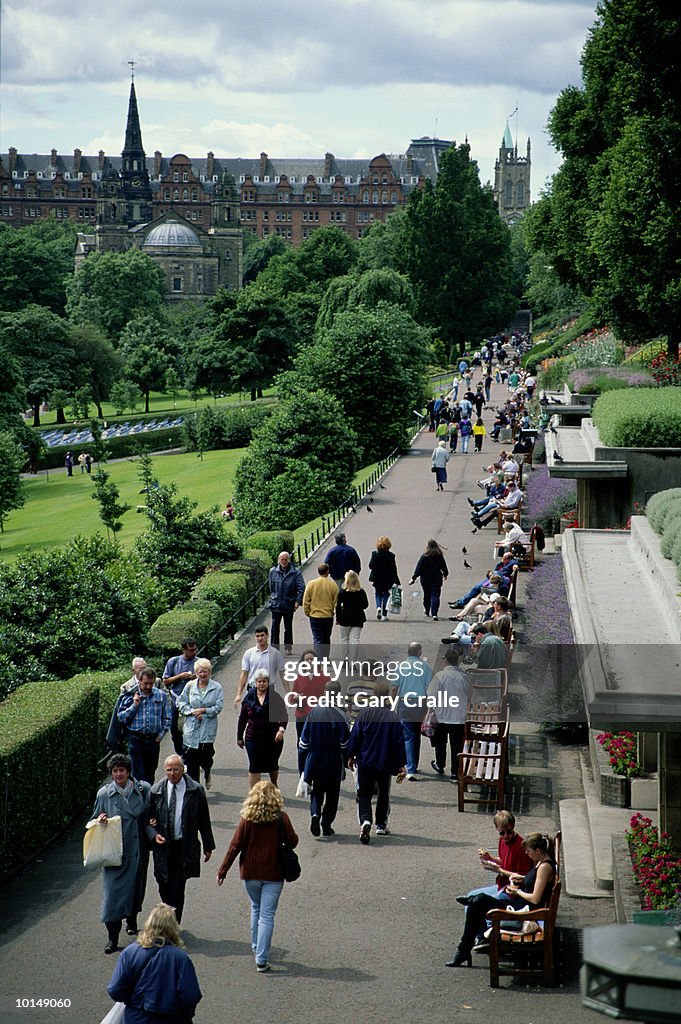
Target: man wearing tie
(178,814)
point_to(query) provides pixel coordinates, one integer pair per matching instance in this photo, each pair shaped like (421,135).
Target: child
(478,434)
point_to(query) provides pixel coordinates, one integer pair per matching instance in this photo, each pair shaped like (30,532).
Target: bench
(533,946)
(486,721)
(489,684)
(526,559)
(483,763)
(513,587)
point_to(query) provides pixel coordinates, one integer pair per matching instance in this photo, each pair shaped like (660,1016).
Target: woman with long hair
(351,615)
(257,839)
(261,727)
(432,570)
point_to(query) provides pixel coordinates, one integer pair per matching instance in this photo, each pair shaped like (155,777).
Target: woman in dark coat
(124,886)
(262,723)
(432,570)
(351,615)
(383,574)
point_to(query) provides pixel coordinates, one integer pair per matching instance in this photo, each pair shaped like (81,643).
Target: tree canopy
(39,341)
(112,288)
(36,262)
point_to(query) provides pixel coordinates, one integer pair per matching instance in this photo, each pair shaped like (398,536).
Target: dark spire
(133,132)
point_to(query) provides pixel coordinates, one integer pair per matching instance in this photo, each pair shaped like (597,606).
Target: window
(248,195)
(195,195)
(31,192)
(61,212)
(185,194)
(7,211)
(265,214)
(185,175)
(384,179)
(176,175)
(365,196)
(85,213)
(33,211)
(60,192)
(521,194)
(393,196)
(86,192)
(177,284)
(374,196)
(166,193)
(265,230)
(384,195)
(508,194)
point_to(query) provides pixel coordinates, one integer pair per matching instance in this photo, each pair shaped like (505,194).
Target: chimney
(410,164)
(12,160)
(210,165)
(53,158)
(100,160)
(157,163)
(263,165)
(328,161)
(77,154)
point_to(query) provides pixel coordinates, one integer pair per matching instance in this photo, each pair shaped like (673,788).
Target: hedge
(262,558)
(119,447)
(273,542)
(640,418)
(48,763)
(109,686)
(226,589)
(661,505)
(196,618)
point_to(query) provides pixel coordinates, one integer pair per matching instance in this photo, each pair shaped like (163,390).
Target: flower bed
(666,371)
(596,348)
(548,498)
(656,869)
(622,750)
(594,380)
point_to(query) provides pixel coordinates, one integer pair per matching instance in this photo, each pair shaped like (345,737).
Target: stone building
(512,179)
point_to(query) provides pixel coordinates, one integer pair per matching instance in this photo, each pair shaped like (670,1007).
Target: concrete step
(578,868)
(603,822)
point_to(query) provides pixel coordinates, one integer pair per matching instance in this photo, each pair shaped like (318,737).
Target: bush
(228,590)
(660,505)
(198,619)
(596,380)
(108,685)
(642,418)
(555,375)
(548,498)
(212,428)
(48,763)
(262,558)
(272,542)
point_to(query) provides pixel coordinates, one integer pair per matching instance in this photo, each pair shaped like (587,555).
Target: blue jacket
(377,741)
(286,588)
(161,982)
(324,737)
(340,559)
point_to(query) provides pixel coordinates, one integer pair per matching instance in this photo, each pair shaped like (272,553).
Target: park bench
(483,764)
(512,513)
(486,720)
(532,953)
(513,586)
(489,684)
(526,558)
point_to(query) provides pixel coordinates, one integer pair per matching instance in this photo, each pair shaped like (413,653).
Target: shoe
(470,502)
(385,615)
(477,522)
(131,926)
(288,649)
(453,776)
(481,947)
(314,825)
(379,614)
(328,832)
(411,777)
(111,946)
(463,900)
(450,639)
(434,618)
(365,833)
(208,782)
(262,968)
(480,484)
(382,830)
(436,768)
(460,960)
(427,614)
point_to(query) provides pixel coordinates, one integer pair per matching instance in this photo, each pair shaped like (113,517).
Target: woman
(495,586)
(154,977)
(261,727)
(534,888)
(351,615)
(383,574)
(438,462)
(198,707)
(432,570)
(124,886)
(257,838)
(309,682)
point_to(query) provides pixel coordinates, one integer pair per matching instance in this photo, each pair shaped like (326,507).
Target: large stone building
(512,179)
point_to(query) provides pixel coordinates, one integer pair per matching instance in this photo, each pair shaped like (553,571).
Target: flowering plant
(596,348)
(621,746)
(656,870)
(665,370)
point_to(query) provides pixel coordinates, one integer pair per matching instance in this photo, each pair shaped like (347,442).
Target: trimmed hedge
(662,505)
(640,418)
(273,542)
(262,558)
(229,590)
(119,447)
(109,686)
(197,618)
(48,763)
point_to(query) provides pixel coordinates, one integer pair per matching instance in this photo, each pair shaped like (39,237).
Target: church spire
(133,133)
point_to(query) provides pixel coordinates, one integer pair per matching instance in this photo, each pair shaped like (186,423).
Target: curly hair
(160,928)
(263,804)
(383,544)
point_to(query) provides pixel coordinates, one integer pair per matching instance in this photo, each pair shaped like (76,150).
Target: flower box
(644,793)
(614,790)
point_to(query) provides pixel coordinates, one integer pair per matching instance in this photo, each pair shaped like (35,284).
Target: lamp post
(633,971)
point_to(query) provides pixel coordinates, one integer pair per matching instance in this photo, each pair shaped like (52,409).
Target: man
(342,558)
(513,499)
(262,656)
(137,665)
(513,535)
(492,652)
(177,673)
(116,732)
(323,740)
(412,688)
(502,568)
(319,604)
(455,686)
(287,587)
(146,715)
(376,747)
(178,814)
(511,860)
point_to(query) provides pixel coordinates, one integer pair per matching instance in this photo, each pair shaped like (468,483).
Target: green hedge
(228,590)
(119,447)
(262,558)
(48,764)
(109,686)
(640,418)
(198,619)
(661,506)
(273,542)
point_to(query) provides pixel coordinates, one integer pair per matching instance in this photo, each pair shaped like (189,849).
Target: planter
(644,793)
(614,790)
(566,524)
(625,890)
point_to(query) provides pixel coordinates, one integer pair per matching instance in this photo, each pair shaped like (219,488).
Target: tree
(80,403)
(147,353)
(384,243)
(36,262)
(58,400)
(39,341)
(110,289)
(111,510)
(125,394)
(365,289)
(12,460)
(258,253)
(98,364)
(458,254)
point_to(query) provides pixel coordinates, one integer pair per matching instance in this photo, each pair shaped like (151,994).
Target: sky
(292,78)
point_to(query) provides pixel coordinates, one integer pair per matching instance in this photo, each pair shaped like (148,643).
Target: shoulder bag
(288,857)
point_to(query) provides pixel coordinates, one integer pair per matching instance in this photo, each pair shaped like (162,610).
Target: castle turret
(512,179)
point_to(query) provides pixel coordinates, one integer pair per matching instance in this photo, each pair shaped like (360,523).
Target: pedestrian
(178,815)
(322,743)
(432,570)
(341,558)
(287,587)
(453,435)
(319,604)
(438,464)
(257,839)
(262,656)
(177,673)
(310,682)
(88,463)
(465,430)
(198,707)
(376,748)
(261,727)
(383,574)
(154,976)
(69,463)
(488,381)
(124,886)
(82,458)
(145,712)
(455,687)
(351,616)
(478,434)
(411,690)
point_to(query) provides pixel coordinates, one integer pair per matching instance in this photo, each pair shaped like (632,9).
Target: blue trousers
(412,743)
(264,897)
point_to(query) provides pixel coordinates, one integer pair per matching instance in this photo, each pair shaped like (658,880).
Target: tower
(225,231)
(512,179)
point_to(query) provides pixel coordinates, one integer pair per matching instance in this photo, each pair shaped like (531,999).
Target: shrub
(656,868)
(120,447)
(213,428)
(262,557)
(272,542)
(108,685)
(596,380)
(199,619)
(548,498)
(555,375)
(228,590)
(672,532)
(660,505)
(642,418)
(48,763)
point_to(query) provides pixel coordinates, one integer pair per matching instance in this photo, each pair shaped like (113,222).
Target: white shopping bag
(103,843)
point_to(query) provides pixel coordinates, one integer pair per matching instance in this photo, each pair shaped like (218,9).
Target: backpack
(539,539)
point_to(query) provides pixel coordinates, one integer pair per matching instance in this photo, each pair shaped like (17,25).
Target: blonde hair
(384,543)
(203,663)
(351,581)
(161,927)
(263,804)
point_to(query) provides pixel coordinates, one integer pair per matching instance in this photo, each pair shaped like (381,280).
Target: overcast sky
(288,77)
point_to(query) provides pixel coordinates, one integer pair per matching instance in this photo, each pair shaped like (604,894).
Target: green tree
(365,289)
(125,394)
(171,384)
(12,460)
(111,510)
(97,363)
(148,353)
(58,400)
(39,341)
(458,254)
(258,253)
(36,263)
(110,289)
(80,403)
(384,243)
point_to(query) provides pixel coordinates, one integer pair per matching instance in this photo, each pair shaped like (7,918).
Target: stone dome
(171,234)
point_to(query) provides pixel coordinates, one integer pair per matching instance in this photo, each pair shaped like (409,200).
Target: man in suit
(178,814)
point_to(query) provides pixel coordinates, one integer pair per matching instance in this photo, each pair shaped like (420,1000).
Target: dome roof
(171,234)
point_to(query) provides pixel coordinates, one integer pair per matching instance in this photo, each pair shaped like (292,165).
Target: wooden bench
(536,949)
(489,684)
(526,560)
(510,513)
(483,763)
(486,721)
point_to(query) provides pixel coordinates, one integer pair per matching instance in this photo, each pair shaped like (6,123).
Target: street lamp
(633,971)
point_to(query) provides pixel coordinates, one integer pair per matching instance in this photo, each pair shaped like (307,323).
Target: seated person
(503,568)
(492,651)
(512,500)
(484,599)
(514,535)
(500,421)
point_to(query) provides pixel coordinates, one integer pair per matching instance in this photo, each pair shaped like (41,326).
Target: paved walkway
(364,932)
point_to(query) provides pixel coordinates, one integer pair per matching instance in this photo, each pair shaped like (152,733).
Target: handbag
(395,599)
(290,865)
(115,1014)
(429,724)
(103,843)
(433,469)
